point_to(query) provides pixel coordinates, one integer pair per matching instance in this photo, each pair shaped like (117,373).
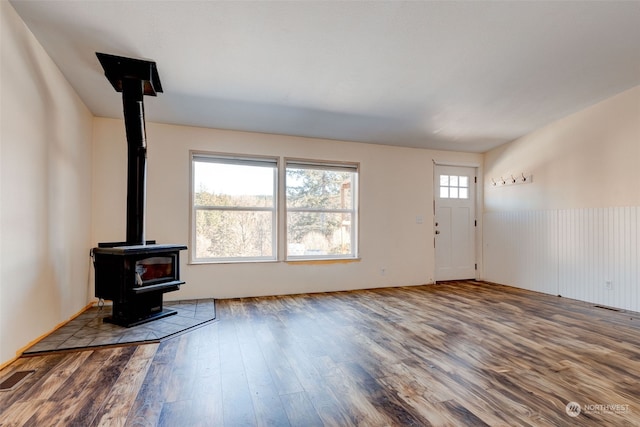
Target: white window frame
(196,156)
(354,211)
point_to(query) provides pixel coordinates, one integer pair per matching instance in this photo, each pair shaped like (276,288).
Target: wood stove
(135,277)
(136,273)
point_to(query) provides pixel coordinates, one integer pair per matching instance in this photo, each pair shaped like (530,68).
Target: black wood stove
(135,274)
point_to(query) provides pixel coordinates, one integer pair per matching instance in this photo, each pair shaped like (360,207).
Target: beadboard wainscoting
(587,254)
(521,249)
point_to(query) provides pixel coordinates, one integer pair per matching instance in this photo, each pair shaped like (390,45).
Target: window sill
(322,261)
(249,261)
(290,261)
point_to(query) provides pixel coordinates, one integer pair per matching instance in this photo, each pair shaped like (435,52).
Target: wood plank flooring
(452,354)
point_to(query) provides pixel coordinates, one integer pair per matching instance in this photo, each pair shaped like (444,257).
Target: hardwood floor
(452,354)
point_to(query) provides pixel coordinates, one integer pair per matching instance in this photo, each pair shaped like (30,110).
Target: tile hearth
(89,330)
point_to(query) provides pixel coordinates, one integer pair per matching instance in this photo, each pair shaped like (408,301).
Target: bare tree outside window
(234,209)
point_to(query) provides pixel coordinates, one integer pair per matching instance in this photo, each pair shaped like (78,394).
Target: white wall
(396,185)
(577,225)
(45,198)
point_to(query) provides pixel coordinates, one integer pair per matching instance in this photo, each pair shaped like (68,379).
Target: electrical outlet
(383,271)
(608,284)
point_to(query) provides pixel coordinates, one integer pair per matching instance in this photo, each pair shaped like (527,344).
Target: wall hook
(524,178)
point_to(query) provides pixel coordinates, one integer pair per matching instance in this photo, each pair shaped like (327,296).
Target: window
(321,210)
(234,208)
(454,187)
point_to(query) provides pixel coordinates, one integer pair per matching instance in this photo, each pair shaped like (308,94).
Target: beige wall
(575,230)
(395,187)
(45,199)
(588,159)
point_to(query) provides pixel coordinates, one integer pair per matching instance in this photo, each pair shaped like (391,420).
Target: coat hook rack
(513,180)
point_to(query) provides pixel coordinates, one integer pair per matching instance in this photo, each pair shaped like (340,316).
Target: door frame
(479,209)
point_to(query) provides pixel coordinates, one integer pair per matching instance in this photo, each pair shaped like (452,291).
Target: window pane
(444,180)
(314,188)
(464,181)
(464,193)
(220,184)
(444,192)
(453,192)
(453,181)
(231,234)
(318,233)
(314,192)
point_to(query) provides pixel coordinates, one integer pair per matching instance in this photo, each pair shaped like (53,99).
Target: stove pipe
(133,107)
(134,78)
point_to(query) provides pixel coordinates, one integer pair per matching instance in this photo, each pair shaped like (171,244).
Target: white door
(455,222)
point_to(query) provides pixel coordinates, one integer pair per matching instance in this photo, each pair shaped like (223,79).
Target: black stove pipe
(133,107)
(135,78)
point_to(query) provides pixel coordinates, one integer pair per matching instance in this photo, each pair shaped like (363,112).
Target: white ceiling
(463,76)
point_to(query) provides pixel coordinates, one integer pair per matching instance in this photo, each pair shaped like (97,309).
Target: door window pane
(454,187)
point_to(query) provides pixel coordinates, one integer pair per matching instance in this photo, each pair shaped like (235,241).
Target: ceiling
(463,76)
